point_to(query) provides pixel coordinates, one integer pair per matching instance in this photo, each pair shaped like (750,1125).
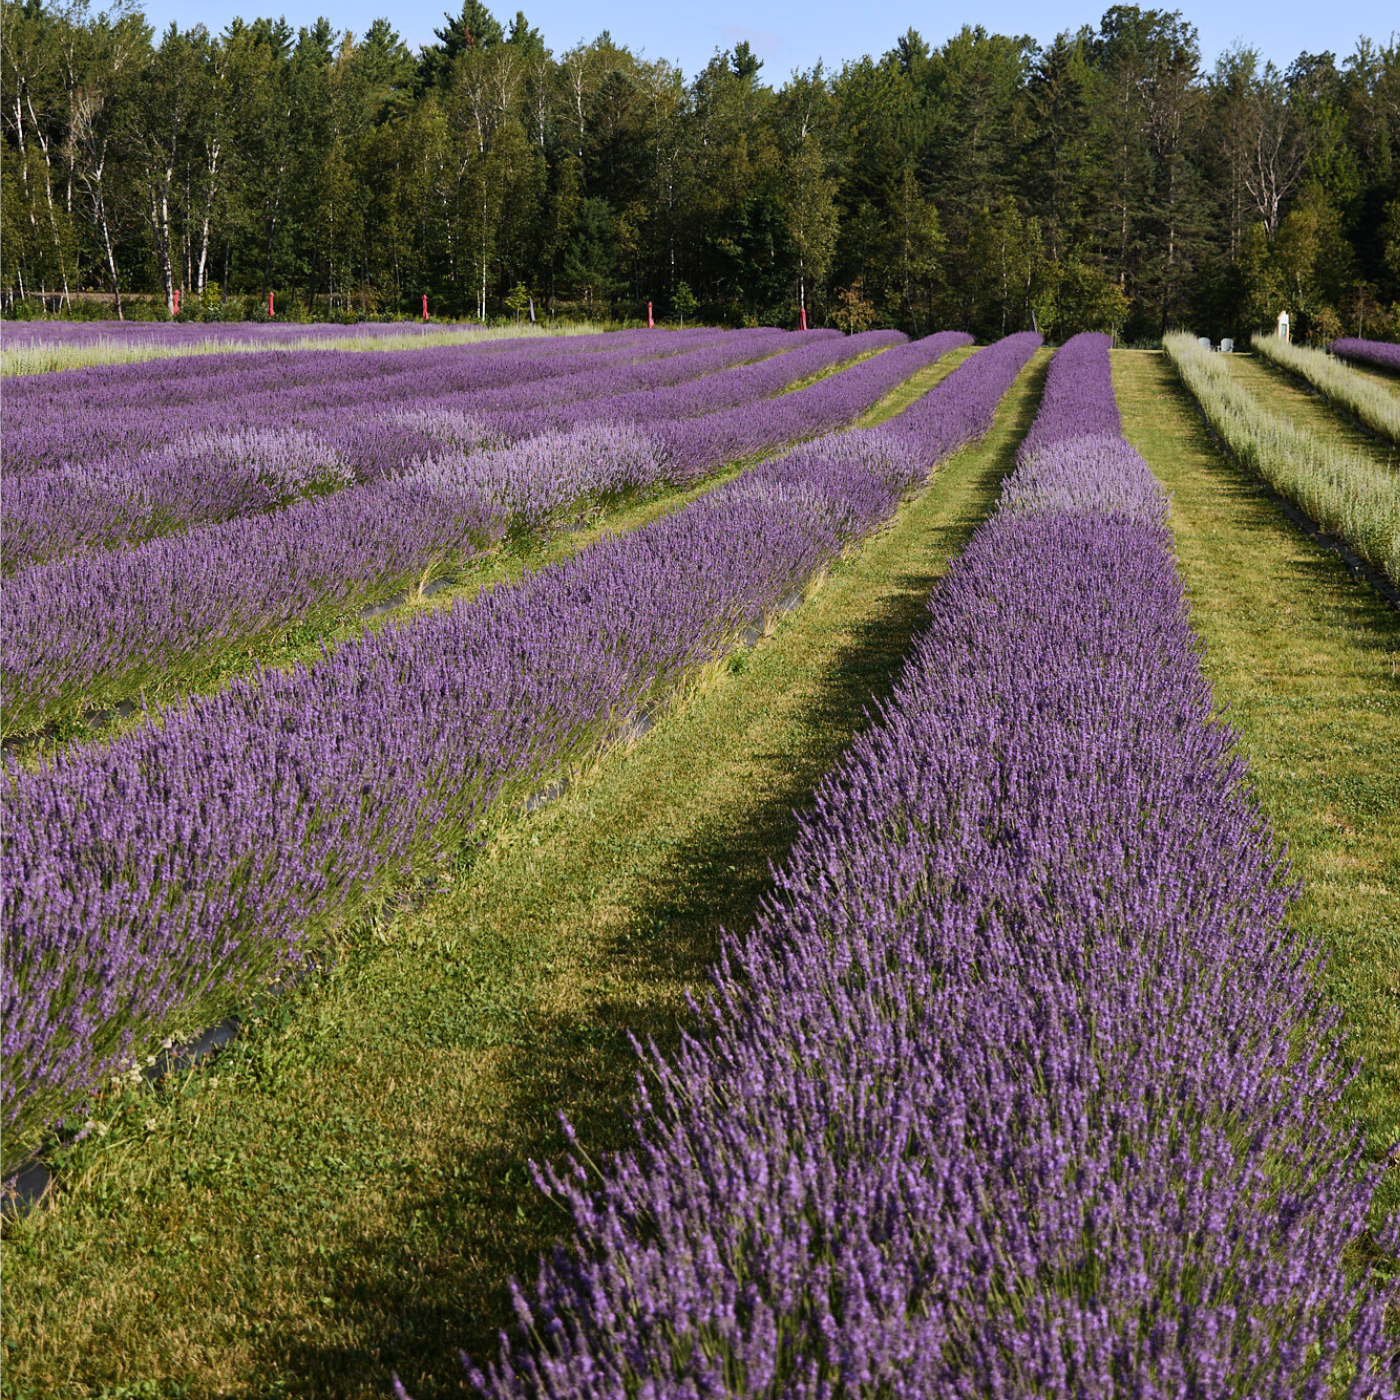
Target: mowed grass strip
(1290,397)
(1307,662)
(505,564)
(346,1190)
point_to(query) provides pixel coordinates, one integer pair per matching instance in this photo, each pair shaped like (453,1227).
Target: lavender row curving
(92,630)
(1002,1095)
(200,853)
(1384,353)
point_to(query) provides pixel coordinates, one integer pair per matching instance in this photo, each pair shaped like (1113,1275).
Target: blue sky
(794,34)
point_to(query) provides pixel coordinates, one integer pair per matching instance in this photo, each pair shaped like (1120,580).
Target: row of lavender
(235,450)
(218,473)
(94,629)
(1003,1095)
(169,334)
(183,862)
(1383,353)
(91,414)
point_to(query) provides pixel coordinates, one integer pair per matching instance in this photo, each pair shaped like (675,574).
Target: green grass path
(1308,663)
(347,1189)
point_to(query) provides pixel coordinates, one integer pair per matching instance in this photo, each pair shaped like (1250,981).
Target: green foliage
(852,313)
(1104,180)
(683,302)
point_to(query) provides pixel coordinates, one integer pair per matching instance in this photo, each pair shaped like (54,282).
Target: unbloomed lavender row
(1371,352)
(1000,1096)
(197,854)
(92,630)
(214,474)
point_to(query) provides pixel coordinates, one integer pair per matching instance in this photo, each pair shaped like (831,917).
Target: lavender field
(1016,1079)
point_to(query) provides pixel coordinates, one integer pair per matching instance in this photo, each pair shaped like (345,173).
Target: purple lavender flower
(196,855)
(1371,352)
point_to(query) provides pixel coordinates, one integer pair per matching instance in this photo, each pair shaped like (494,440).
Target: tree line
(1108,180)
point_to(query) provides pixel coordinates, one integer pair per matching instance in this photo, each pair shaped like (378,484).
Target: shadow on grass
(440,1283)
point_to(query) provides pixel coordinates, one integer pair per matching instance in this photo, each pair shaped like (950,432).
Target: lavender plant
(1384,353)
(120,413)
(1019,1085)
(1336,487)
(89,631)
(1376,406)
(140,492)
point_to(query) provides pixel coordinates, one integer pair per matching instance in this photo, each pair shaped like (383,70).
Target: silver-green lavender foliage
(1375,405)
(1342,491)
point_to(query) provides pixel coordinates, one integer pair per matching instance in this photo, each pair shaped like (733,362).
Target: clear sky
(794,34)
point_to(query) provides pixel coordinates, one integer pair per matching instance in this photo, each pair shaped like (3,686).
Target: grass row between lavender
(1031,938)
(1369,402)
(182,864)
(1339,490)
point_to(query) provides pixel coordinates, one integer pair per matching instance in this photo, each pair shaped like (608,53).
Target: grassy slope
(1308,663)
(347,1189)
(1286,394)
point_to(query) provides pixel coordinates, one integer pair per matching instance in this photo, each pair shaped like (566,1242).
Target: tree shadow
(417,1299)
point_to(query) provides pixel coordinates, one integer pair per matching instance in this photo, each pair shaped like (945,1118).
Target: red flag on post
(425,306)
(650,323)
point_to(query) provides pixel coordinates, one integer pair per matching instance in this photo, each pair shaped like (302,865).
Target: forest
(1112,180)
